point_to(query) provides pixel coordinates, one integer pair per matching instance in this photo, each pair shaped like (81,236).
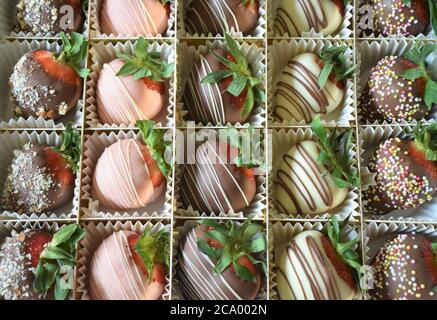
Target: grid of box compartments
(177,44)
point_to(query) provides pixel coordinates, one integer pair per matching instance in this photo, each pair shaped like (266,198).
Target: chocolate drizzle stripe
(296,98)
(205,185)
(314,15)
(311,174)
(214,106)
(315,270)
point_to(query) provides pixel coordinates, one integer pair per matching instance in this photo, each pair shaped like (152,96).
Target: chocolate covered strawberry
(405,268)
(48,84)
(218,261)
(406,172)
(133,87)
(403,17)
(136,264)
(42,178)
(50,16)
(315,266)
(220,16)
(400,88)
(131,174)
(222,180)
(221,87)
(312,85)
(36,264)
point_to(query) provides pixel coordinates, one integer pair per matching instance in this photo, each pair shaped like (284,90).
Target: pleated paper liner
(368,55)
(345,31)
(376,234)
(6,229)
(360,33)
(14,140)
(257,206)
(282,142)
(188,55)
(95,233)
(94,146)
(181,229)
(11,53)
(97,33)
(372,138)
(102,53)
(8,22)
(258,32)
(281,234)
(280,52)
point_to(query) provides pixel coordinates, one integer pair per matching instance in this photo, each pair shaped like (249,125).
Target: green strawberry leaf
(157,144)
(154,248)
(74,52)
(70,148)
(334,59)
(243,273)
(412,74)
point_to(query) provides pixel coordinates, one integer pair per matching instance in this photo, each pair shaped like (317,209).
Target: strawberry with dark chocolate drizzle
(219,261)
(316,266)
(406,172)
(41,178)
(49,85)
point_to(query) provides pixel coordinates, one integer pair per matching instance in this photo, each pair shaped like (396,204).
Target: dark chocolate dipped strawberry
(125,252)
(49,16)
(405,268)
(129,174)
(315,266)
(400,88)
(406,172)
(49,85)
(220,16)
(133,87)
(218,261)
(42,178)
(221,87)
(222,180)
(312,85)
(402,17)
(38,265)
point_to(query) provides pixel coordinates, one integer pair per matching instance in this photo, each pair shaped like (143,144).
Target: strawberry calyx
(424,147)
(146,65)
(335,61)
(70,150)
(56,261)
(233,245)
(151,252)
(74,52)
(157,145)
(418,71)
(342,254)
(339,83)
(236,67)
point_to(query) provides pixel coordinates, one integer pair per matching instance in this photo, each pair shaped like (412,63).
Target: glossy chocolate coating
(49,15)
(401,183)
(32,185)
(216,184)
(39,93)
(405,269)
(389,97)
(220,16)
